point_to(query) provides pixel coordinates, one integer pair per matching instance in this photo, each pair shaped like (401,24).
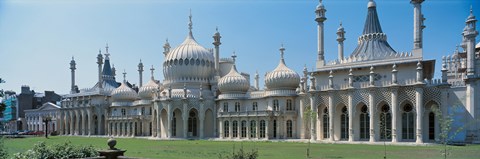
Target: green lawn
(190,149)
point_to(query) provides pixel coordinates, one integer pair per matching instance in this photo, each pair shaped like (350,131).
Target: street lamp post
(46,120)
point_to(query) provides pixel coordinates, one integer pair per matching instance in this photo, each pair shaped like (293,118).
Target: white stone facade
(375,94)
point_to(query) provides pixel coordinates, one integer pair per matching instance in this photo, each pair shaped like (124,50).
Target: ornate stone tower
(320,18)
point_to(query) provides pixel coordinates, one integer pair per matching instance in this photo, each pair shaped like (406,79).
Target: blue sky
(38,38)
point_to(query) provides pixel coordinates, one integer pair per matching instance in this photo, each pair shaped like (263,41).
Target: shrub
(241,154)
(57,151)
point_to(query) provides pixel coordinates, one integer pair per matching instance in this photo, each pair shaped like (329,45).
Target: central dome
(187,63)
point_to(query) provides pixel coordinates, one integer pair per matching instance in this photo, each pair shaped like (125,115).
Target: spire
(373,43)
(190,24)
(234,56)
(140,73)
(124,76)
(166,47)
(282,51)
(107,54)
(372,24)
(151,72)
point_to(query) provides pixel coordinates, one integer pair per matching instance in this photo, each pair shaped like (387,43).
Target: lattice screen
(360,95)
(383,94)
(406,94)
(432,94)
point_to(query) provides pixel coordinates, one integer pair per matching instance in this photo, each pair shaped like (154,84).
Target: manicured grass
(193,149)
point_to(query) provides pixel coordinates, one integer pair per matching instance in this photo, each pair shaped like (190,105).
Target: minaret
(320,18)
(166,48)
(73,68)
(257,81)
(417,24)
(217,43)
(100,62)
(340,38)
(140,73)
(470,34)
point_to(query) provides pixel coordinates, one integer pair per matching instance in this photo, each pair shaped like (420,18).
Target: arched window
(274,128)
(408,123)
(326,123)
(289,104)
(344,123)
(255,106)
(192,123)
(235,128)
(275,105)
(431,126)
(174,125)
(253,129)
(289,129)
(150,111)
(237,106)
(385,123)
(244,129)
(143,111)
(364,123)
(226,128)
(124,112)
(225,107)
(262,128)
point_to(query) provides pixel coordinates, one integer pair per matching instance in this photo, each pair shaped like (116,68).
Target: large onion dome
(189,62)
(282,77)
(124,93)
(233,82)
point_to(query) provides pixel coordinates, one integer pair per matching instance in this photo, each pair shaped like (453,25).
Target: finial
(340,23)
(151,71)
(140,60)
(124,76)
(282,51)
(234,56)
(190,24)
(73,58)
(100,51)
(216,28)
(107,54)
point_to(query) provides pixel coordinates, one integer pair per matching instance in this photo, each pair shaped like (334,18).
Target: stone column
(419,110)
(257,129)
(185,119)
(169,119)
(372,113)
(331,116)
(71,124)
(351,115)
(221,128)
(394,93)
(128,129)
(201,115)
(248,129)
(82,130)
(266,129)
(300,128)
(77,122)
(230,129)
(313,123)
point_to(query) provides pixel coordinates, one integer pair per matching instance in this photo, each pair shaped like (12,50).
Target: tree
(308,115)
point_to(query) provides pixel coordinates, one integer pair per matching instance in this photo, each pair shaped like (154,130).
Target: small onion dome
(124,93)
(282,77)
(233,82)
(372,3)
(320,6)
(147,91)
